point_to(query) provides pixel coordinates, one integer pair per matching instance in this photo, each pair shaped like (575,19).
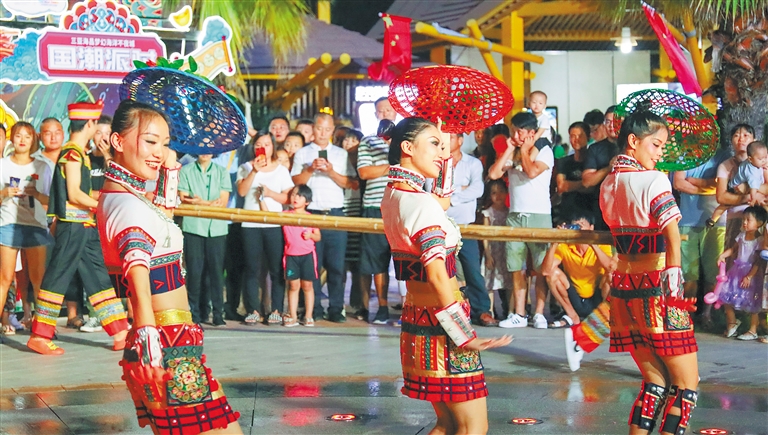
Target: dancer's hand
(489,343)
(153,377)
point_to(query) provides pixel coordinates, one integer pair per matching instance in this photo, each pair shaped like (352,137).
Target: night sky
(358,15)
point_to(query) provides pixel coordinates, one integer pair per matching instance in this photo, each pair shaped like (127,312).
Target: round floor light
(712,431)
(525,421)
(342,417)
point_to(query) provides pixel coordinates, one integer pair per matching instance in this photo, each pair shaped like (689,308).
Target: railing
(369,225)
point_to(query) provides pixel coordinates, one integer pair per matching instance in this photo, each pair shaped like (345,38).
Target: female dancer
(648,316)
(439,349)
(25,183)
(173,391)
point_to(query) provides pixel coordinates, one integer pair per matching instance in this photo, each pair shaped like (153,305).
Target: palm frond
(706,13)
(280,22)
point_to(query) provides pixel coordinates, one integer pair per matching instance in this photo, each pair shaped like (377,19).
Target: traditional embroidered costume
(637,204)
(136,233)
(435,368)
(77,248)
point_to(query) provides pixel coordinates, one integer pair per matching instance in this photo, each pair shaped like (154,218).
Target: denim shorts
(24,236)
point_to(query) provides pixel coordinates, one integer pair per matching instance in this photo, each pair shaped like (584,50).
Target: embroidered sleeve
(135,247)
(663,207)
(70,156)
(431,243)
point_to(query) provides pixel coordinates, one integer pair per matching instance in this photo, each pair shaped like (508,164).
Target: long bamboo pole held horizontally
(367,225)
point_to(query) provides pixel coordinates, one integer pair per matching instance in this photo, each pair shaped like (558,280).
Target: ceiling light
(626,41)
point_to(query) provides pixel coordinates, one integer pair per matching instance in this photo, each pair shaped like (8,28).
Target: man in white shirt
(529,207)
(326,170)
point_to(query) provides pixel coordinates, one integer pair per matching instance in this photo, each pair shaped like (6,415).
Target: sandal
(252,319)
(275,318)
(289,322)
(75,323)
(308,321)
(9,330)
(763,339)
(747,336)
(732,328)
(564,322)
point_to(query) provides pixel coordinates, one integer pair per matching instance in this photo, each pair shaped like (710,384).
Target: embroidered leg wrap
(455,322)
(647,406)
(167,185)
(110,311)
(47,308)
(685,401)
(594,329)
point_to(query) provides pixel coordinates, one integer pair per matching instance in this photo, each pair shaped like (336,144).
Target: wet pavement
(290,381)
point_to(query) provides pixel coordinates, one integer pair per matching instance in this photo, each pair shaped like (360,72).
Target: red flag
(675,53)
(397,49)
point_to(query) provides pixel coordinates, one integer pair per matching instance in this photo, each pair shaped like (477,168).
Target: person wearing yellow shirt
(581,284)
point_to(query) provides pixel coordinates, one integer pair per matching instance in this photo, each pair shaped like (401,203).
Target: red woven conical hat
(465,99)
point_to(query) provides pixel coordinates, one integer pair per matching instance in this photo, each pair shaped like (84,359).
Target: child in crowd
(293,142)
(300,259)
(748,178)
(283,158)
(538,105)
(741,291)
(495,257)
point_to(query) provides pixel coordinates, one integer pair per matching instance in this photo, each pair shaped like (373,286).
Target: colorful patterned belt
(411,269)
(429,299)
(639,263)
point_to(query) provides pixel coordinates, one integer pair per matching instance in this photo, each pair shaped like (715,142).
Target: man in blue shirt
(468,186)
(697,202)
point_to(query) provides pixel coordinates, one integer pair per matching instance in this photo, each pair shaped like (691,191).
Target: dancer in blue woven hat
(163,111)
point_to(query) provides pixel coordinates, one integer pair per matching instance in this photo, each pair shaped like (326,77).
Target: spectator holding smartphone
(265,184)
(326,170)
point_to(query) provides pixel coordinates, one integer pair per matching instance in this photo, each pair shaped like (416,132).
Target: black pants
(331,251)
(469,256)
(205,254)
(264,246)
(234,263)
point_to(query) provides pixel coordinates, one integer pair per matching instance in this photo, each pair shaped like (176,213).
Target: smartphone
(15,181)
(261,155)
(323,154)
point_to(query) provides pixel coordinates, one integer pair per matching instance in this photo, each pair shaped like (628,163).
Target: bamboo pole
(696,57)
(474,30)
(517,55)
(367,225)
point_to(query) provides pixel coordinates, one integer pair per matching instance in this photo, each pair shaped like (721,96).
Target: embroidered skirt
(434,368)
(192,401)
(640,317)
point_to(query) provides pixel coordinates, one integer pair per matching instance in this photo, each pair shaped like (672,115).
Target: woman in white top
(265,184)
(24,195)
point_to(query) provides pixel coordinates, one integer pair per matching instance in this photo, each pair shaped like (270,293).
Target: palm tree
(738,30)
(280,22)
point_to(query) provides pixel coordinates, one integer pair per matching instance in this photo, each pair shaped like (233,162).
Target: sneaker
(514,320)
(219,321)
(361,314)
(539,321)
(309,322)
(399,323)
(92,325)
(382,316)
(336,317)
(573,351)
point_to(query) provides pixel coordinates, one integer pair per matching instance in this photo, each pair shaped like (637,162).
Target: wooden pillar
(512,29)
(438,55)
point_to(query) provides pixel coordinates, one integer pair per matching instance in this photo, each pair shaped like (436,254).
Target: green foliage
(706,13)
(280,22)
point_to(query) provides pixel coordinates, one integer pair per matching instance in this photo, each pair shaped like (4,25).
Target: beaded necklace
(627,163)
(134,184)
(399,174)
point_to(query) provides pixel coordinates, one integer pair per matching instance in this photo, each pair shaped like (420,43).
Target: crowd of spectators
(515,176)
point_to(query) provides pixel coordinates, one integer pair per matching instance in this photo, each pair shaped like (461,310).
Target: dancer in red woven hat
(439,348)
(77,248)
(163,363)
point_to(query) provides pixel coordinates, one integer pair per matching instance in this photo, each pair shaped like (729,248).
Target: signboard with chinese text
(83,56)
